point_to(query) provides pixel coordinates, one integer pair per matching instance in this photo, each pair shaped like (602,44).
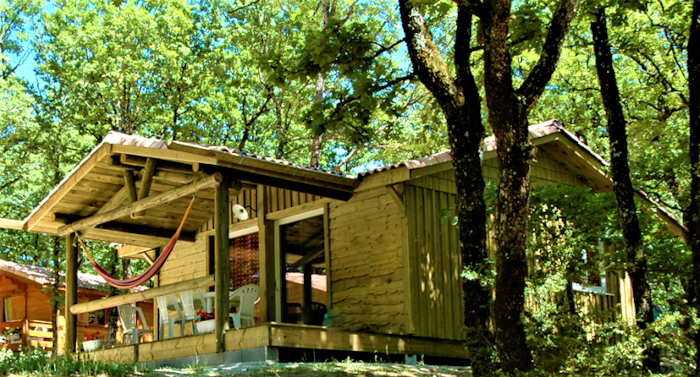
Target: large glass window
(303,271)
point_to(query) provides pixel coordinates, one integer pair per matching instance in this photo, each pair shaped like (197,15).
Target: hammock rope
(151,271)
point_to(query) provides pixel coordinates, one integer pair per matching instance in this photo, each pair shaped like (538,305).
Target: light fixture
(240,211)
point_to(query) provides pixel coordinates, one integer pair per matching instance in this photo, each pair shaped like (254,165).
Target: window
(7,309)
(301,269)
(594,279)
(98,317)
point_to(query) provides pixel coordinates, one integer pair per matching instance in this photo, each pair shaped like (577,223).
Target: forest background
(342,85)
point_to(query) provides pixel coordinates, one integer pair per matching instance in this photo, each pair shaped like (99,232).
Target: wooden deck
(280,335)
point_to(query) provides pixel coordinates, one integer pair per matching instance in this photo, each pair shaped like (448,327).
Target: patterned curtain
(244,261)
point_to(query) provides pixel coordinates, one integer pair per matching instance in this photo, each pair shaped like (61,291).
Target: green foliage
(647,40)
(565,338)
(34,362)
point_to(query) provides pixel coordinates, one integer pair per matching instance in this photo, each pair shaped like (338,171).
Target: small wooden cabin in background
(25,305)
(345,264)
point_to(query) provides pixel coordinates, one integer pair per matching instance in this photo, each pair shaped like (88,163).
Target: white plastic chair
(165,315)
(248,295)
(127,316)
(188,311)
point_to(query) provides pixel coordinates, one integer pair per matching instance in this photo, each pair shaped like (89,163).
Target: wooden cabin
(24,298)
(345,264)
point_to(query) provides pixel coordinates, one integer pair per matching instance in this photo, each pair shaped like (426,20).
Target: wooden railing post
(71,294)
(221,255)
(25,332)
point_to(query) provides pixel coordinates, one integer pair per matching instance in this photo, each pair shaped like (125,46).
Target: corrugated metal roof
(42,275)
(536,131)
(114,137)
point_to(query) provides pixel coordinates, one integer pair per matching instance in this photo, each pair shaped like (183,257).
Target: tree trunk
(509,122)
(508,110)
(694,210)
(460,102)
(622,185)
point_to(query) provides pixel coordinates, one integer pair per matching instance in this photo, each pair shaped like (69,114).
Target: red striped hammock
(146,275)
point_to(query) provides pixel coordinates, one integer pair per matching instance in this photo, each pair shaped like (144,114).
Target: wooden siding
(546,170)
(189,261)
(434,262)
(37,306)
(366,257)
(186,262)
(277,200)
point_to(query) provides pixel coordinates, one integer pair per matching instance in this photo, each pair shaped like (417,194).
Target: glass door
(301,267)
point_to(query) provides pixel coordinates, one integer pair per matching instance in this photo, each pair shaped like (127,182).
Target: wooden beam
(71,294)
(289,212)
(148,259)
(290,181)
(147,231)
(221,260)
(130,183)
(398,197)
(112,203)
(149,202)
(311,255)
(174,167)
(67,184)
(181,178)
(145,188)
(266,251)
(124,251)
(162,154)
(306,307)
(327,252)
(314,337)
(430,170)
(11,224)
(129,298)
(265,167)
(127,228)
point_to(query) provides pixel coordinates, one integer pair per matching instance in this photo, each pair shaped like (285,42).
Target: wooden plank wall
(546,170)
(189,261)
(277,200)
(37,307)
(367,276)
(434,262)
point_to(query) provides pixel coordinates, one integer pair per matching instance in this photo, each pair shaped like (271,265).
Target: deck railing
(28,333)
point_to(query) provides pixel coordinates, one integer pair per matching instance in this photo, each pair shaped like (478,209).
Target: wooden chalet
(345,264)
(24,306)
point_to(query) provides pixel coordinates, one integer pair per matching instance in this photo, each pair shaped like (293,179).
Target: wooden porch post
(267,259)
(71,294)
(221,273)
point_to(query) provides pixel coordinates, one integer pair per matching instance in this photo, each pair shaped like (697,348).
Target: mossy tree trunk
(460,103)
(622,184)
(508,111)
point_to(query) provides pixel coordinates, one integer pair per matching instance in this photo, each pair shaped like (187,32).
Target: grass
(325,369)
(34,362)
(38,363)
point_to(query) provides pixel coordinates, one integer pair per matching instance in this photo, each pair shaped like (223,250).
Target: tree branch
(473,7)
(8,184)
(535,83)
(432,71)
